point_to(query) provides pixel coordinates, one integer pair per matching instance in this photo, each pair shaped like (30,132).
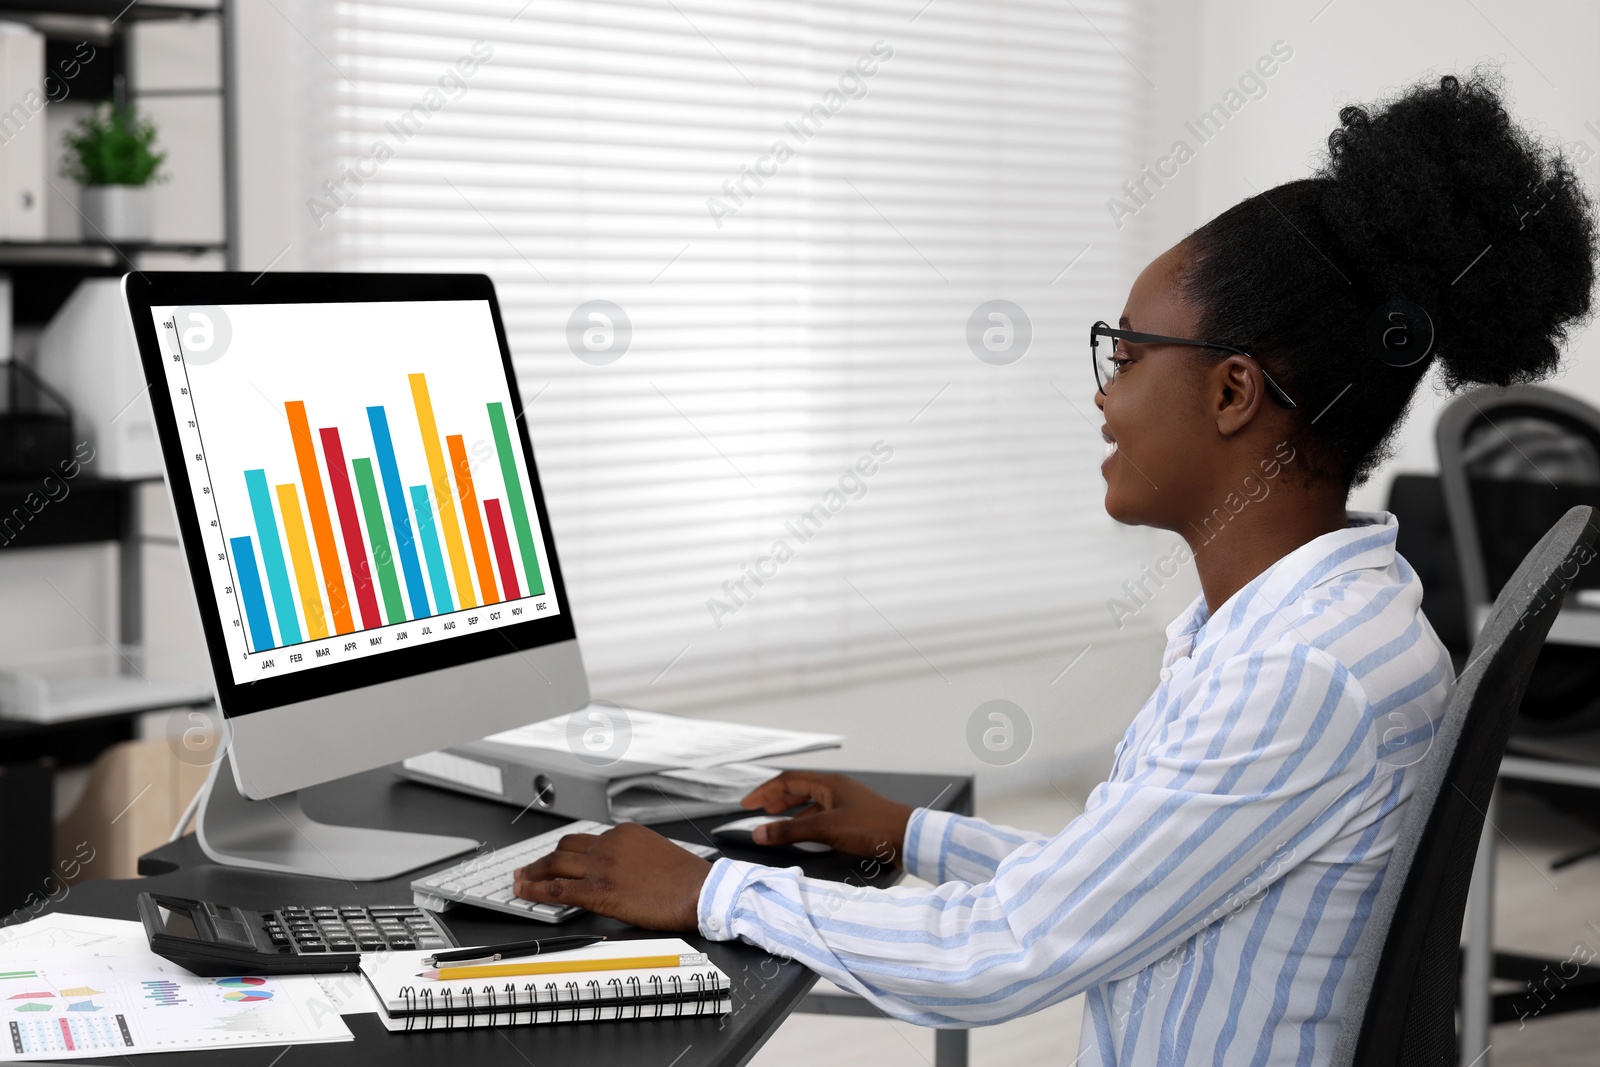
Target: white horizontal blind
(798,204)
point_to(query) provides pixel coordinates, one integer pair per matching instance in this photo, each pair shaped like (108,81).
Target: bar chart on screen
(362,474)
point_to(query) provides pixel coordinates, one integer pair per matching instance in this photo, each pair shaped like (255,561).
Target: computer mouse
(740,832)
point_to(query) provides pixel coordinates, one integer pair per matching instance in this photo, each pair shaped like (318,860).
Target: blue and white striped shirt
(1210,897)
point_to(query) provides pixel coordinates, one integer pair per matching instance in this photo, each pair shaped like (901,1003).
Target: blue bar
(272,556)
(430,548)
(397,512)
(255,607)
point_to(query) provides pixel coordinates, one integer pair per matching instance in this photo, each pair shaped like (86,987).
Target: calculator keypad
(352,929)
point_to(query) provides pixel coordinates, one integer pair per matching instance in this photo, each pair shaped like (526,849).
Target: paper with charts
(80,1007)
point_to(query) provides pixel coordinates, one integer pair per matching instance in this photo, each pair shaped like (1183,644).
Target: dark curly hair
(1435,197)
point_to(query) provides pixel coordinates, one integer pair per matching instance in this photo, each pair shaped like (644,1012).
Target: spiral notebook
(412,1003)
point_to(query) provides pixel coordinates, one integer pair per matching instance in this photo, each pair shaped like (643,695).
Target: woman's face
(1158,466)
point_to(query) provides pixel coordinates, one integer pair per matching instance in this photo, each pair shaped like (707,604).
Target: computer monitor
(356,495)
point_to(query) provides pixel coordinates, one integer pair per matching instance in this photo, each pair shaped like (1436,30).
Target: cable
(188,812)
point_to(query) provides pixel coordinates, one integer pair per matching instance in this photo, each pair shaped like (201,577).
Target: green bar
(378,534)
(519,510)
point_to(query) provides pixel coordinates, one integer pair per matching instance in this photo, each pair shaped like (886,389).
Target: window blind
(794,443)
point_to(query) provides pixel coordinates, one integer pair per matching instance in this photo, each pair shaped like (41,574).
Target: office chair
(1402,1001)
(1510,461)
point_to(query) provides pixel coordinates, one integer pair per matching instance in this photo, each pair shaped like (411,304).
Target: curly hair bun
(1439,198)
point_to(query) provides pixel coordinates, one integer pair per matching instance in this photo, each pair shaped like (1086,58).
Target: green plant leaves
(114,146)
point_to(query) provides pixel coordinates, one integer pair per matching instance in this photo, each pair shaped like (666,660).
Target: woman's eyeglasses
(1107,364)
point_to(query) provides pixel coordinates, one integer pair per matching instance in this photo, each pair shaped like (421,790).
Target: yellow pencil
(511,970)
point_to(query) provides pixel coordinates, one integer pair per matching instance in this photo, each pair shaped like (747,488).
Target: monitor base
(277,835)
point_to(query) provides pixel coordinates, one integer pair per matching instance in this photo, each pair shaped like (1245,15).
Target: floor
(1537,910)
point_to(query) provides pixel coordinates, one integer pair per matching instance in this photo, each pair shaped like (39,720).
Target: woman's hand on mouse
(629,873)
(843,813)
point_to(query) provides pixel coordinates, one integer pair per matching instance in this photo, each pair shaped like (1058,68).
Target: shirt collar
(1366,543)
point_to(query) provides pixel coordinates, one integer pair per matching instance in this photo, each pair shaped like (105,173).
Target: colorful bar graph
(272,555)
(441,490)
(378,534)
(350,527)
(321,527)
(502,548)
(379,421)
(343,525)
(305,574)
(519,508)
(469,512)
(255,605)
(430,548)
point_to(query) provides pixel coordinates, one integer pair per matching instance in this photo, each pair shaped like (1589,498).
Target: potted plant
(111,153)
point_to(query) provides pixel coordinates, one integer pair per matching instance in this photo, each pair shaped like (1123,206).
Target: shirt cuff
(927,834)
(720,894)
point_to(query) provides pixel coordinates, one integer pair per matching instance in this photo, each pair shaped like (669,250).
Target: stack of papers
(75,986)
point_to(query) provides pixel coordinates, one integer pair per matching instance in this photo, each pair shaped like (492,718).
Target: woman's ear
(1236,392)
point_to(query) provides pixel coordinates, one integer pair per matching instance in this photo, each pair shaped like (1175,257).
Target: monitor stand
(277,835)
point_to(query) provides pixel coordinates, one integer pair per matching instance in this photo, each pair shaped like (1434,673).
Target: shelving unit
(96,511)
(44,274)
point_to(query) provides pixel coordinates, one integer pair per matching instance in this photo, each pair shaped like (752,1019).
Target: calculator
(217,940)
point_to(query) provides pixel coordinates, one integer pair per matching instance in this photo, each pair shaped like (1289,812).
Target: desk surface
(766,989)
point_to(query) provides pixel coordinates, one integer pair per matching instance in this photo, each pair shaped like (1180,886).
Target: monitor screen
(357,477)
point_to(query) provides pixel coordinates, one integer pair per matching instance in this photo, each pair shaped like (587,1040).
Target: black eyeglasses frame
(1103,329)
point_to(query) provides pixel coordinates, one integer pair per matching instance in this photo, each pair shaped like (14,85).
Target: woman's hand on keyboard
(842,813)
(629,873)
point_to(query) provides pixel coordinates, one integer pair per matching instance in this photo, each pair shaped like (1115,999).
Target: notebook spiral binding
(430,1009)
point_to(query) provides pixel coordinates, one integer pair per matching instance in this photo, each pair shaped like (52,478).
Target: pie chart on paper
(244,990)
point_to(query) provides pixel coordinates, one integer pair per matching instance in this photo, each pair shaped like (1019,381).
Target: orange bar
(441,491)
(469,511)
(321,527)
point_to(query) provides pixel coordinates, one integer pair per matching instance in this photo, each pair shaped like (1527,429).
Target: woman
(1211,895)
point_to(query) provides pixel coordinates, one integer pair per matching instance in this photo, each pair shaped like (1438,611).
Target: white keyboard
(486,880)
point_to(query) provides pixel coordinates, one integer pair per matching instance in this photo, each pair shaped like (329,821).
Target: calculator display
(178,922)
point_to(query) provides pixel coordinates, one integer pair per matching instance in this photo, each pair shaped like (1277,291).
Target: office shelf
(97,252)
(44,273)
(53,693)
(89,683)
(120,10)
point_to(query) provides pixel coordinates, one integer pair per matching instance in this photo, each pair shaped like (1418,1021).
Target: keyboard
(485,881)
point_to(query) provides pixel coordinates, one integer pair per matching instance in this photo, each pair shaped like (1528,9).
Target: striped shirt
(1210,897)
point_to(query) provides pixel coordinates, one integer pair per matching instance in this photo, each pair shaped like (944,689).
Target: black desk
(766,989)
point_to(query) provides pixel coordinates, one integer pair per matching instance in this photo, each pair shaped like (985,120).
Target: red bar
(350,527)
(66,1034)
(502,549)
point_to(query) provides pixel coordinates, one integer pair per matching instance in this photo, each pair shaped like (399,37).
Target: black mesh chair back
(1511,462)
(1406,972)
